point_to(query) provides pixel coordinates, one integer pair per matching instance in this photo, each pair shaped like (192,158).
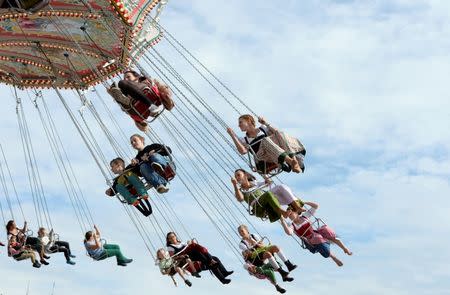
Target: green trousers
(268,205)
(267,270)
(113,250)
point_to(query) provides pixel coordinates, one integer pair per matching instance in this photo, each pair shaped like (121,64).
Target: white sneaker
(162,188)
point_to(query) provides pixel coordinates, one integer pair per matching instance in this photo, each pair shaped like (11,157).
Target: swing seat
(169,172)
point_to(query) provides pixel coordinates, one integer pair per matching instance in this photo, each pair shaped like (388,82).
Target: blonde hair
(243,226)
(249,119)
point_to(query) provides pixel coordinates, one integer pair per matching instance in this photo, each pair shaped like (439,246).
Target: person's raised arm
(287,229)
(271,129)
(97,231)
(25,227)
(237,192)
(240,147)
(311,204)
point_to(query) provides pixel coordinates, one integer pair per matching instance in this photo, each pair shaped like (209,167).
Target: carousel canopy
(74,44)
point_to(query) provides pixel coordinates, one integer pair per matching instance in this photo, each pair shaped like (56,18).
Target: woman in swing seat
(20,252)
(257,251)
(141,97)
(152,162)
(262,203)
(268,145)
(52,246)
(315,240)
(97,251)
(196,252)
(22,238)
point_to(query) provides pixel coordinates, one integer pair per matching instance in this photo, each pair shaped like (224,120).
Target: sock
(282,257)
(274,263)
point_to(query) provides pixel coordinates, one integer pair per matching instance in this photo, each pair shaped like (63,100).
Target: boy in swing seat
(129,186)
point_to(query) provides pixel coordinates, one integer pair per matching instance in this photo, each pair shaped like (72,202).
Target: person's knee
(123,84)
(274,249)
(267,255)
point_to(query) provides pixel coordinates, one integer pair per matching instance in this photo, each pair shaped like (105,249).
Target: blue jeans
(150,174)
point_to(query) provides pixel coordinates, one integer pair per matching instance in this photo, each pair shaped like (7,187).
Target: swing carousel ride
(71,47)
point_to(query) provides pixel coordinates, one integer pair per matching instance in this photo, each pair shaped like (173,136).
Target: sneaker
(187,282)
(287,279)
(128,260)
(36,264)
(72,256)
(225,281)
(228,273)
(162,189)
(286,167)
(46,257)
(70,262)
(279,289)
(196,274)
(44,262)
(121,264)
(158,168)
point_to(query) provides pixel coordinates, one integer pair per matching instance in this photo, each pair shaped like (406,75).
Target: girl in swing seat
(99,251)
(316,240)
(174,265)
(268,145)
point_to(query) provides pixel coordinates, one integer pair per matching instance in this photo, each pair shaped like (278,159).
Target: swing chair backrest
(271,169)
(315,225)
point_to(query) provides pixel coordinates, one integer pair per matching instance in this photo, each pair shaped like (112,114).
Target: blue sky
(362,83)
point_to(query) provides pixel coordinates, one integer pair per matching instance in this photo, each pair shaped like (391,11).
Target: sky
(361,83)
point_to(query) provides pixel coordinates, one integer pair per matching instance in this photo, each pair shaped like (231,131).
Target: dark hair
(117,160)
(167,238)
(249,176)
(136,74)
(87,236)
(8,225)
